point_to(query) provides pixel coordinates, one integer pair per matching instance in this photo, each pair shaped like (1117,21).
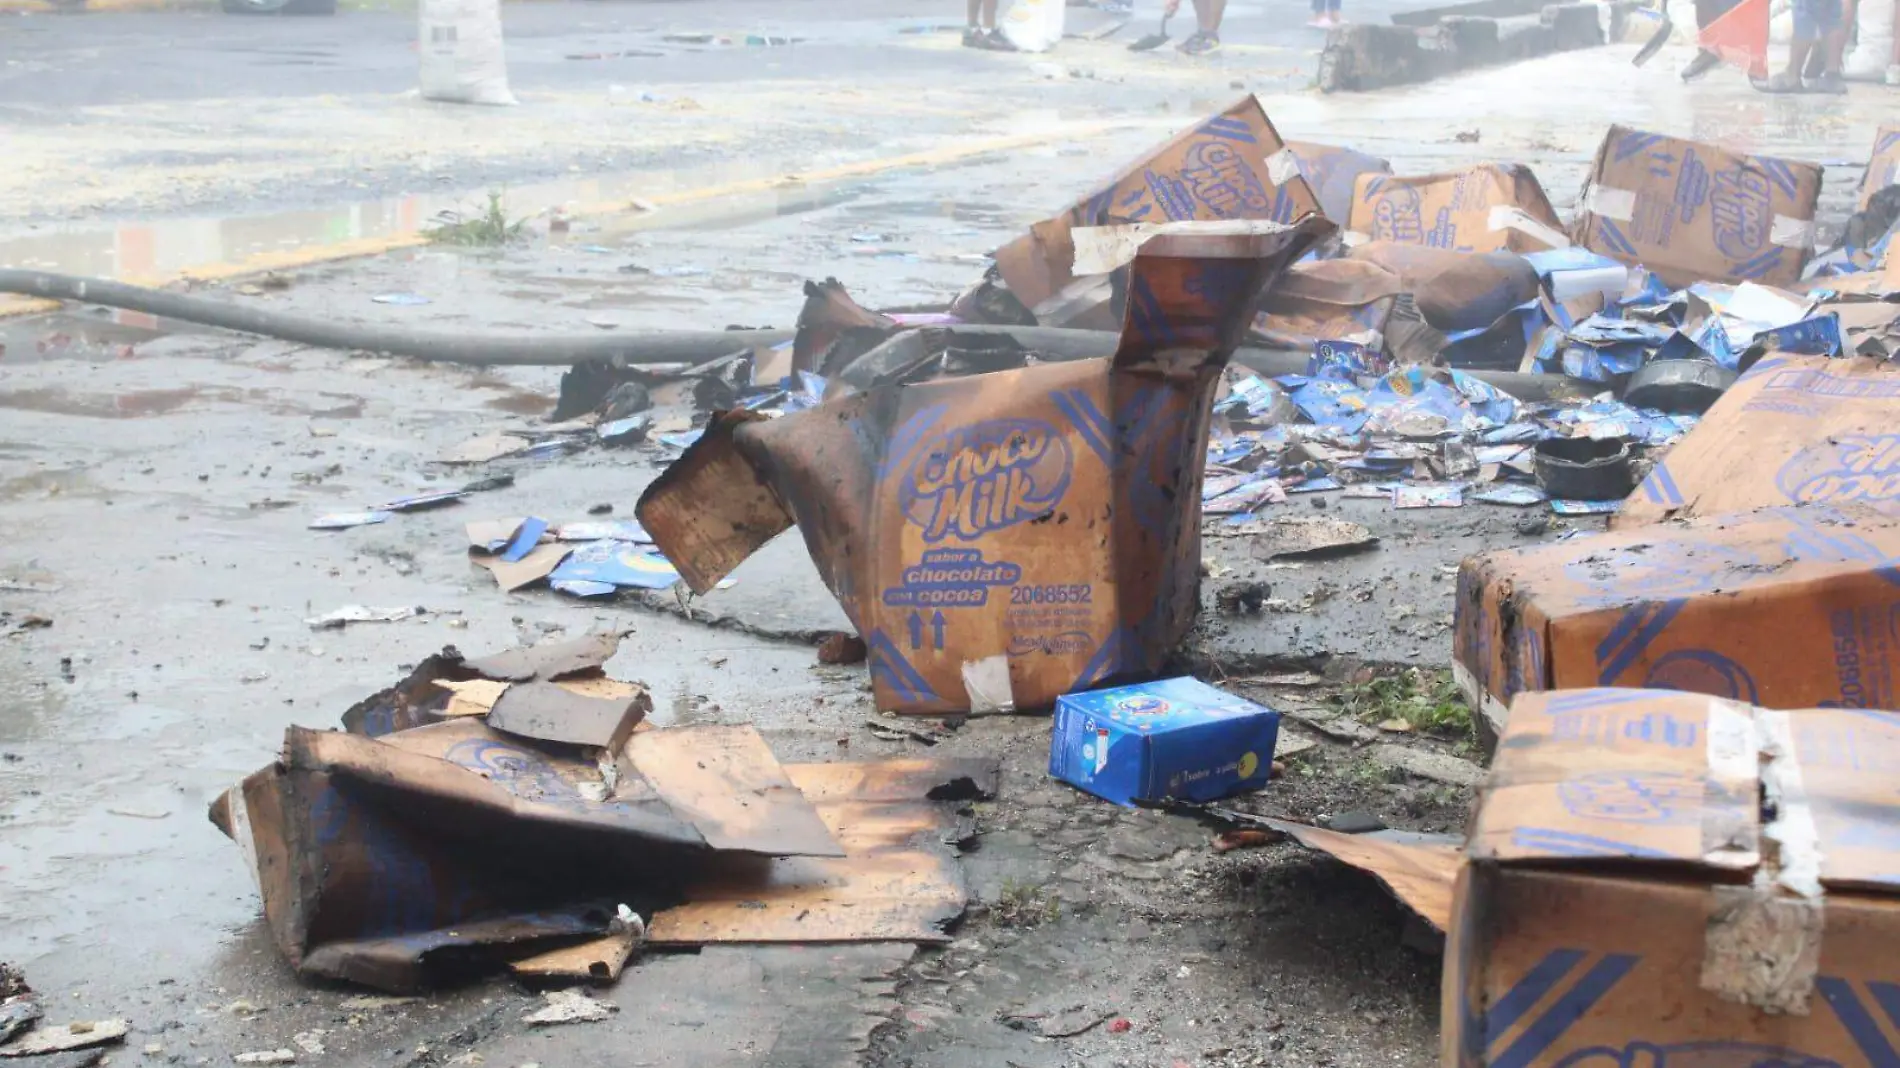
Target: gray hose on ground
(562,350)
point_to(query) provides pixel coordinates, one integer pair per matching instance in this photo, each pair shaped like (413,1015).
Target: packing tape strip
(1797,854)
(1353,238)
(1610,202)
(1730,834)
(1789,232)
(1282,166)
(1511,217)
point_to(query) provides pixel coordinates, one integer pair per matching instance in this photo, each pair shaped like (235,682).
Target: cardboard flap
(1631,775)
(1421,874)
(711,509)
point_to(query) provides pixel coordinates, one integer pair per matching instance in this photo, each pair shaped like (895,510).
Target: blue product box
(1177,738)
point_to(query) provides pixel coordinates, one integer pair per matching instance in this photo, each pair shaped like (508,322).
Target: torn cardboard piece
(1692,212)
(1333,173)
(898,881)
(1660,878)
(1783,607)
(596,960)
(1048,514)
(1420,874)
(1231,166)
(445,684)
(1486,208)
(1329,300)
(1793,430)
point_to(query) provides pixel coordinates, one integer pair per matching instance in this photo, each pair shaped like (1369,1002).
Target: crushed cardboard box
(1883,166)
(1230,166)
(1486,208)
(416,847)
(1692,212)
(1793,430)
(1000,539)
(1329,300)
(1667,880)
(1785,607)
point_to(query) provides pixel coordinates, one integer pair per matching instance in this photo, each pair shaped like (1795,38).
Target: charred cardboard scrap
(1419,870)
(398,861)
(1690,873)
(1793,430)
(1783,607)
(1045,518)
(1486,208)
(1692,212)
(834,330)
(898,879)
(423,698)
(1231,166)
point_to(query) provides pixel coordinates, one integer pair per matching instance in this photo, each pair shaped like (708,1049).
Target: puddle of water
(133,405)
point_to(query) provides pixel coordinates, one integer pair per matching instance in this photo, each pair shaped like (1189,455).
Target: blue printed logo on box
(1177,738)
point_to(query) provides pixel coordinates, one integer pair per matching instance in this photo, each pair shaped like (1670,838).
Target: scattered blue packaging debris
(527,536)
(619,563)
(346,520)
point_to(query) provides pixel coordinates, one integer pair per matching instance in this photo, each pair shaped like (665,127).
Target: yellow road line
(375,246)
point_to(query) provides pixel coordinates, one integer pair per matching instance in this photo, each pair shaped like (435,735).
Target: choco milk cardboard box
(1793,430)
(1665,880)
(1789,607)
(1883,168)
(1230,166)
(1692,212)
(1176,738)
(1487,208)
(1000,539)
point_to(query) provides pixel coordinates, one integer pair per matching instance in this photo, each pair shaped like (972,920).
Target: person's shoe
(1201,44)
(1703,63)
(1317,22)
(1829,82)
(972,37)
(996,42)
(1329,21)
(1779,82)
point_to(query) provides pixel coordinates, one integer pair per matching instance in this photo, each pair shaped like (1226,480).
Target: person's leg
(1829,47)
(989,14)
(1809,20)
(1332,13)
(973,30)
(1209,13)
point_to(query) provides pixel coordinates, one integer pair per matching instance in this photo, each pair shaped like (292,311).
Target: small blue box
(1177,738)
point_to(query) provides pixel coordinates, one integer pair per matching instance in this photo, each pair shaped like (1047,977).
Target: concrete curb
(1364,57)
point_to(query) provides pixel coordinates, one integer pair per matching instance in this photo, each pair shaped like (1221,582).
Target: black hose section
(478,350)
(561,350)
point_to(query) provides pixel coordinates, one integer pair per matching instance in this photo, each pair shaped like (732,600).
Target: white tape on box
(1282,166)
(1790,232)
(1511,217)
(1610,203)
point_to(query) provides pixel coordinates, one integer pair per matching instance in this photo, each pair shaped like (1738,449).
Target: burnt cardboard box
(1333,173)
(1000,539)
(1793,430)
(1230,166)
(1329,300)
(1783,607)
(1664,880)
(1487,208)
(1692,212)
(1883,167)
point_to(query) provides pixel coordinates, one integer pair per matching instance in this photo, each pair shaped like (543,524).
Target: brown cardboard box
(1783,607)
(1793,430)
(1329,300)
(1000,539)
(1883,168)
(1333,173)
(1660,880)
(1231,166)
(1485,208)
(1692,212)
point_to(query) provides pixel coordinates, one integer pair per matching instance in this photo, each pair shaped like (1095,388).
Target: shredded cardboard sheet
(896,882)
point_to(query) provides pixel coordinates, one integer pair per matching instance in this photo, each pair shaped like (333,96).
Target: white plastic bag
(461,49)
(1033,25)
(1872,53)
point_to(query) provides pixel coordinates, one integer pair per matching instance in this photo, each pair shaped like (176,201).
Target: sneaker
(972,37)
(1317,22)
(996,42)
(1703,63)
(1200,44)
(1328,21)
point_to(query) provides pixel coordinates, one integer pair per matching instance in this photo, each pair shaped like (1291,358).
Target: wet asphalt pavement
(156,485)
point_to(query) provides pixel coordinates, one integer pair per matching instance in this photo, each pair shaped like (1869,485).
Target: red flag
(1740,37)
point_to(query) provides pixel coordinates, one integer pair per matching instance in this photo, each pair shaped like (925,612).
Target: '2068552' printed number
(1077,594)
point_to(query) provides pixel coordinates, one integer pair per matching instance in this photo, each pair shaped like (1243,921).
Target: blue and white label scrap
(1177,738)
